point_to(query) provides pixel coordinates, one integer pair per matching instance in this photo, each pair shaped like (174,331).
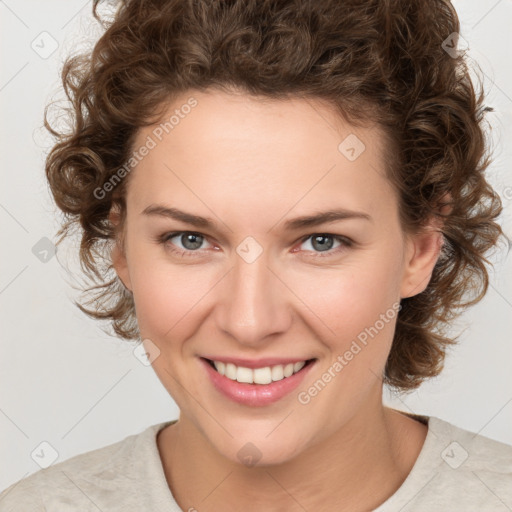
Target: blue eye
(323,242)
(191,243)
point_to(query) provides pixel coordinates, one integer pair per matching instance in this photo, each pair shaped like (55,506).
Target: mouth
(259,376)
(256,387)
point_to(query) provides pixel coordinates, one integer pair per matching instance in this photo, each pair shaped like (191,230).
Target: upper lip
(257,363)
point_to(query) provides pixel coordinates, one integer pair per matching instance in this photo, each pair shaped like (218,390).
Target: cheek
(167,296)
(357,306)
(352,297)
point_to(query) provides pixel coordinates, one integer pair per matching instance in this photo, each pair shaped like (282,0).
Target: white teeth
(277,372)
(298,366)
(288,370)
(230,371)
(220,367)
(264,375)
(244,375)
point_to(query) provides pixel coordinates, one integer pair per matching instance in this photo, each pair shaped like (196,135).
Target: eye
(190,242)
(323,243)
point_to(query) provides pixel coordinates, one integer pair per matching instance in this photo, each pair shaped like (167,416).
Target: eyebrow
(306,221)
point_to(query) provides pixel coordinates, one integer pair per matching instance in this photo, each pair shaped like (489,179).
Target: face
(253,283)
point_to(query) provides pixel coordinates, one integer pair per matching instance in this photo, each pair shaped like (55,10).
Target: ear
(422,252)
(117,254)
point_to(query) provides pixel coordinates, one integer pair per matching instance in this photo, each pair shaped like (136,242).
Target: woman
(291,199)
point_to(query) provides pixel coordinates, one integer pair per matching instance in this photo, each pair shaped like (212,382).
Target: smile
(258,386)
(264,375)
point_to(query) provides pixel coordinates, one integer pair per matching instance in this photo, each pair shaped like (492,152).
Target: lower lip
(255,395)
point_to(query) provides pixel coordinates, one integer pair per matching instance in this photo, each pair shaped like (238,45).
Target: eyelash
(346,243)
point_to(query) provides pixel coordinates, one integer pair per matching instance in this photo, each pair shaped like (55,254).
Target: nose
(253,302)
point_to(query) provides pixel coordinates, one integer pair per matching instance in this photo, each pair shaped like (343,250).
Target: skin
(250,166)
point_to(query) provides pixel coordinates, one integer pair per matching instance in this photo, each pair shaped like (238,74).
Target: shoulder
(86,481)
(471,451)
(474,472)
(456,470)
(464,470)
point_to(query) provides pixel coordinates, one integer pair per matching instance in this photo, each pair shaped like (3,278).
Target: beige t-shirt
(456,470)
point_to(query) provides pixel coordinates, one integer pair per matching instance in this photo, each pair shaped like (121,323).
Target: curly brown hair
(377,61)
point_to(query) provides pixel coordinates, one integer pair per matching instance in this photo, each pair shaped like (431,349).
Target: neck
(361,465)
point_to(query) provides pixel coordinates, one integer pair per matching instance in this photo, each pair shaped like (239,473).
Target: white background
(64,381)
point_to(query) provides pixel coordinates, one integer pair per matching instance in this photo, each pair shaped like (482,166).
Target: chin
(251,447)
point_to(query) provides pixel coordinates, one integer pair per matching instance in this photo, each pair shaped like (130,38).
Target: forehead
(257,153)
